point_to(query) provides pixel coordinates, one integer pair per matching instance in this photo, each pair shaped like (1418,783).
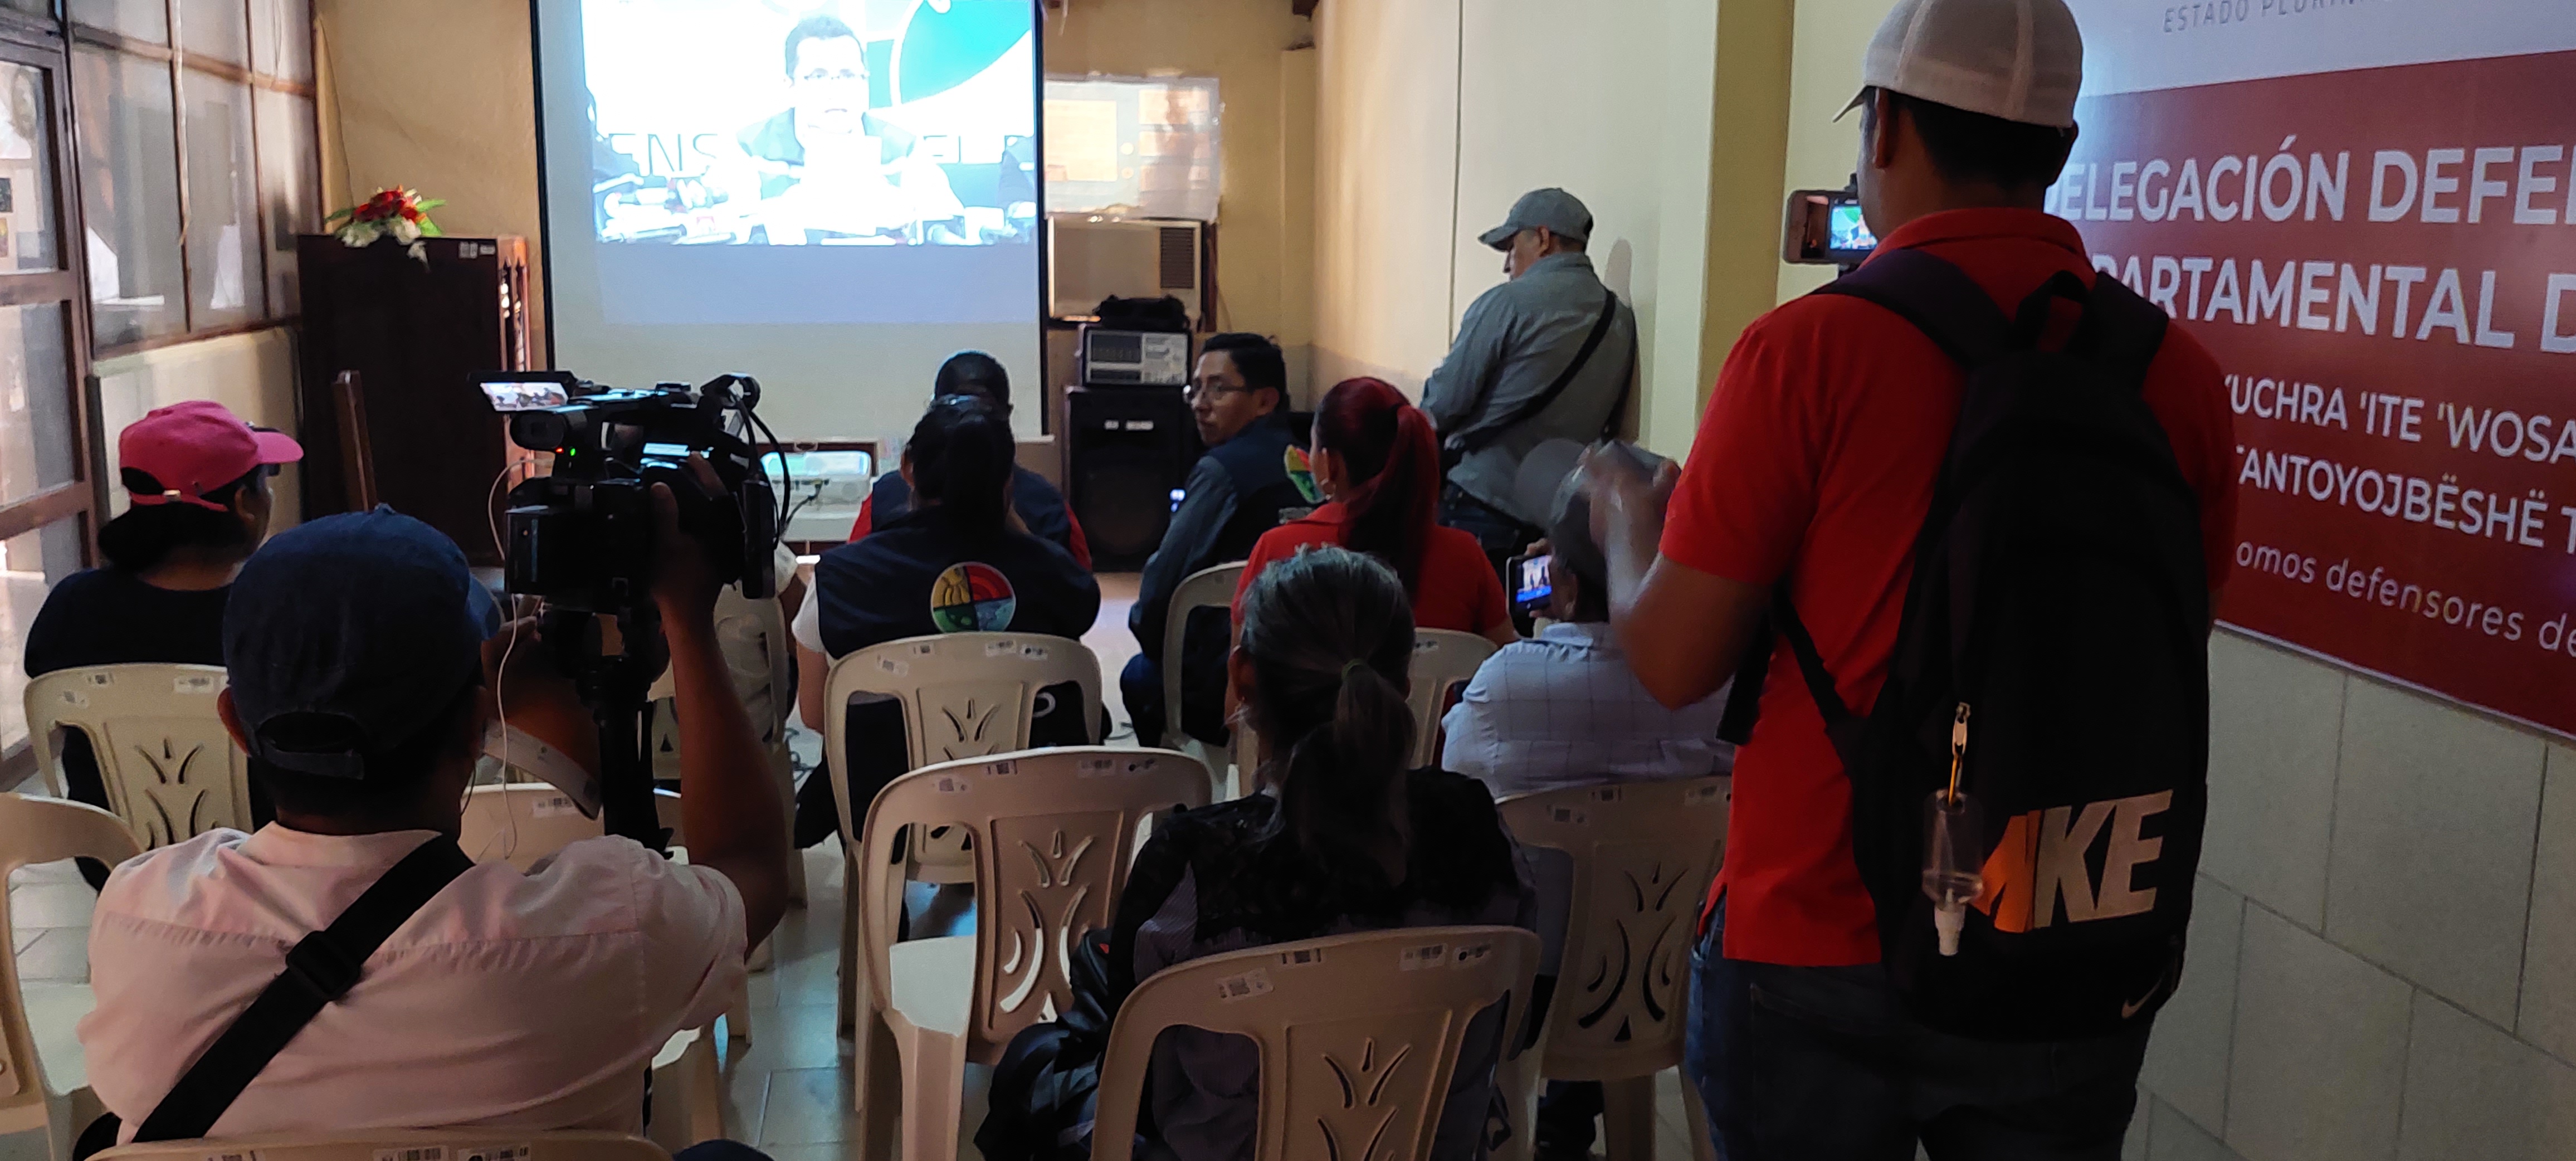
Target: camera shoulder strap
(321,968)
(1475,438)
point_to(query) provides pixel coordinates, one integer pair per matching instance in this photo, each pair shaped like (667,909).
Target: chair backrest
(41,830)
(761,659)
(964,695)
(172,773)
(1643,854)
(1055,831)
(420,1144)
(1443,660)
(521,823)
(1207,588)
(1359,1034)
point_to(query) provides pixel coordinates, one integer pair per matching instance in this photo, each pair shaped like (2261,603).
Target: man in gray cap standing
(1549,354)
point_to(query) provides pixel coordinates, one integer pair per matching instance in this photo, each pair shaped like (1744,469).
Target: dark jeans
(720,1150)
(1501,533)
(1567,1111)
(1824,1063)
(1140,685)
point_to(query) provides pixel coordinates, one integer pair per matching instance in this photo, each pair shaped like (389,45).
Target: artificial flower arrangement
(400,214)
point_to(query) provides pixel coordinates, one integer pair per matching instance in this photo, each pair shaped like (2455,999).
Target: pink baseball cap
(196,447)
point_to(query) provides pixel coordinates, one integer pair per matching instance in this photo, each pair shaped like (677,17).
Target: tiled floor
(789,1090)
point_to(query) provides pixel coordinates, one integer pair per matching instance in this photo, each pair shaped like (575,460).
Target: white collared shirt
(1562,709)
(529,1000)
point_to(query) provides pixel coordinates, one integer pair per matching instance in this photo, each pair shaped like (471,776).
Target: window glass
(281,38)
(129,196)
(289,169)
(215,28)
(37,428)
(27,223)
(29,566)
(141,19)
(226,283)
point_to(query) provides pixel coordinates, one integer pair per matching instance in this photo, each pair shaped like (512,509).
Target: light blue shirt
(1563,709)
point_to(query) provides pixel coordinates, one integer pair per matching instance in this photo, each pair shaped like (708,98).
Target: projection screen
(829,195)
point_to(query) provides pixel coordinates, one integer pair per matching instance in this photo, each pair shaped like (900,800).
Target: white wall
(253,374)
(1433,116)
(2383,952)
(1386,168)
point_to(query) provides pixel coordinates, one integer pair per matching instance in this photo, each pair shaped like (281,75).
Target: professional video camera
(581,538)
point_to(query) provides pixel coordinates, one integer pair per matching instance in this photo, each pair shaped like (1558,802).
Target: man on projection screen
(827,168)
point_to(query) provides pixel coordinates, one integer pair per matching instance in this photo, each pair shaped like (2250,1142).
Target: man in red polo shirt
(1815,466)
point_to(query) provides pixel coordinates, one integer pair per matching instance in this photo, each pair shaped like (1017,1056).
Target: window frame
(177,60)
(39,42)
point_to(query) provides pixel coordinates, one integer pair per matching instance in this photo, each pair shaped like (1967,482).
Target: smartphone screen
(1533,587)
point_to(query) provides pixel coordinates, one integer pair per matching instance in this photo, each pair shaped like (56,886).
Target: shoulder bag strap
(320,968)
(1475,438)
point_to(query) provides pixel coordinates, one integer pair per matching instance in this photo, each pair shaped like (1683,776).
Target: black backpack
(2058,611)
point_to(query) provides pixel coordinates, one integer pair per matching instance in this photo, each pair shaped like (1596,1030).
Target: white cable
(501,705)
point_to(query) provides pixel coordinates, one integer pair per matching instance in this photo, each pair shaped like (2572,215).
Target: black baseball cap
(346,636)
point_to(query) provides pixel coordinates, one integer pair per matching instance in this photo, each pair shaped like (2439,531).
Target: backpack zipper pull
(1958,745)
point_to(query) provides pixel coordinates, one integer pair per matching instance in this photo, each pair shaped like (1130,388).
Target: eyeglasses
(1215,390)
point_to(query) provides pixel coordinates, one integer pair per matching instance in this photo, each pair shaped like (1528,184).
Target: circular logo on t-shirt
(1302,474)
(972,597)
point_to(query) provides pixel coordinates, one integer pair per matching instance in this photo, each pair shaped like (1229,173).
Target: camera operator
(361,685)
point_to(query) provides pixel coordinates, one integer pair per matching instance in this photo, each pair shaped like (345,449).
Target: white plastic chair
(521,823)
(1207,588)
(525,823)
(964,695)
(1359,1034)
(762,659)
(1055,831)
(171,771)
(1443,660)
(1643,854)
(38,1047)
(424,1144)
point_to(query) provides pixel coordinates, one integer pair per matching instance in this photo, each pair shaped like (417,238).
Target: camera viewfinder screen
(530,396)
(1845,230)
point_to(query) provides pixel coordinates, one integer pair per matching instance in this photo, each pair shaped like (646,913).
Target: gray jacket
(1516,339)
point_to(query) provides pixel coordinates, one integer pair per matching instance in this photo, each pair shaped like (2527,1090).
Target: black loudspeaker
(1129,450)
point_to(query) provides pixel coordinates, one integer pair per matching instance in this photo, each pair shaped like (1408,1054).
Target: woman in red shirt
(1379,469)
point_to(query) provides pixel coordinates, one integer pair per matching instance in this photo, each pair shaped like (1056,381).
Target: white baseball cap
(2020,60)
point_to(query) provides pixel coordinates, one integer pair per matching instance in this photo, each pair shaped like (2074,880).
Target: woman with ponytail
(1378,466)
(1344,839)
(959,560)
(196,478)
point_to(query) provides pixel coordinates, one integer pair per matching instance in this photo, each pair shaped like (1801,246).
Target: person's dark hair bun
(964,457)
(148,533)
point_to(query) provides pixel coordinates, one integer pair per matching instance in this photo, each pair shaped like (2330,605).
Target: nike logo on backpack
(2041,859)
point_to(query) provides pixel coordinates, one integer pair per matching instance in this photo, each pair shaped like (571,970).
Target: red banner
(2384,263)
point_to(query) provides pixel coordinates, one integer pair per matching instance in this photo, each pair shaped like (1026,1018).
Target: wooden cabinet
(417,333)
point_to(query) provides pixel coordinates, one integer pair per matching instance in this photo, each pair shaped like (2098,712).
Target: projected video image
(797,122)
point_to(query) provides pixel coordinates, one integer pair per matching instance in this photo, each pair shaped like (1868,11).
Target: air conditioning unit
(1090,258)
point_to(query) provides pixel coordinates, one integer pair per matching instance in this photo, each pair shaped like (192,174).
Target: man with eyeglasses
(1240,489)
(829,166)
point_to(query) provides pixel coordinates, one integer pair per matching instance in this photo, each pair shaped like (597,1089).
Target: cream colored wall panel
(1386,144)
